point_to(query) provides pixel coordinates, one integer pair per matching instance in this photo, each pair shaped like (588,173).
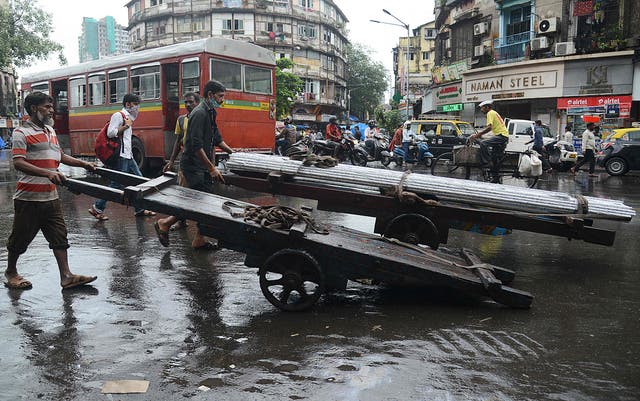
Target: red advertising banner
(592,101)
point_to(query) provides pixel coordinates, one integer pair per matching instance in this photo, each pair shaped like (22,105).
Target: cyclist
(498,141)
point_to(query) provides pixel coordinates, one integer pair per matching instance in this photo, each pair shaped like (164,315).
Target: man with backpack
(120,128)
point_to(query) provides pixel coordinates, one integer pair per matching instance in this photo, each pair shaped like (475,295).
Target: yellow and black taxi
(442,134)
(622,153)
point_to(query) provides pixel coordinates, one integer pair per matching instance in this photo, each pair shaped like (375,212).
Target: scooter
(380,149)
(561,155)
(418,152)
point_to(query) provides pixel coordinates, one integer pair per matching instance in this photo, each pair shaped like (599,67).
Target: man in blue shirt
(538,146)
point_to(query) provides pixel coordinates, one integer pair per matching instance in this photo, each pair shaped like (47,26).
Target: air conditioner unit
(478,51)
(564,48)
(540,43)
(447,44)
(480,29)
(548,25)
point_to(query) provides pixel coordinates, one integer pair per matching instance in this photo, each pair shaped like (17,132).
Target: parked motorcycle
(562,155)
(300,148)
(418,152)
(379,150)
(348,149)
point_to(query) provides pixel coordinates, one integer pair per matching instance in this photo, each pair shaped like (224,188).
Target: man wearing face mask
(198,156)
(120,127)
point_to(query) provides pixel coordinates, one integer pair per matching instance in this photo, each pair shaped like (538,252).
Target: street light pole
(406,72)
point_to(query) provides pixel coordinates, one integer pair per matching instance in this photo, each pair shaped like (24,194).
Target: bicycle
(506,168)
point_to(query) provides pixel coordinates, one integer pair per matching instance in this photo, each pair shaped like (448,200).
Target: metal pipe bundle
(446,189)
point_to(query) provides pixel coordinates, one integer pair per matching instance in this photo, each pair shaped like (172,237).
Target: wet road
(181,319)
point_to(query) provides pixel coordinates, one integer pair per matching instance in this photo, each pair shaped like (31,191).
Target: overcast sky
(67,22)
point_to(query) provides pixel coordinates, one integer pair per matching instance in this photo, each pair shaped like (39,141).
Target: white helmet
(486,103)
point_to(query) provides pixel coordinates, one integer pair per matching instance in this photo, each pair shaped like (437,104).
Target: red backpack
(108,149)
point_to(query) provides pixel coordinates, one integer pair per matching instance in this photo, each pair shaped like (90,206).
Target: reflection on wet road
(181,319)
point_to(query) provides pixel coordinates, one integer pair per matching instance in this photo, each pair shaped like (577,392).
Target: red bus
(86,95)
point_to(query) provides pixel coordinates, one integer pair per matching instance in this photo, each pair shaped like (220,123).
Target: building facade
(310,32)
(8,96)
(537,59)
(102,38)
(421,50)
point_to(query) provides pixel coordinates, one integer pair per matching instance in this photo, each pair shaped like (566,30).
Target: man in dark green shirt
(198,158)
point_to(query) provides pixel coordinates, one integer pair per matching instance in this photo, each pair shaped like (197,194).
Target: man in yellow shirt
(191,100)
(491,148)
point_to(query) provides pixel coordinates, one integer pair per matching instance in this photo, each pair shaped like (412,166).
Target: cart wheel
(292,280)
(413,229)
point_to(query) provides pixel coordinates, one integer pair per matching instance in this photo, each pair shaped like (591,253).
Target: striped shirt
(39,147)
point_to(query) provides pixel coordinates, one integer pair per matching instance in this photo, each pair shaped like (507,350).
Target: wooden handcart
(296,266)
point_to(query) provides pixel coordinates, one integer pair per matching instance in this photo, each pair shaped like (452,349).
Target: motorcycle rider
(407,139)
(333,135)
(369,132)
(286,137)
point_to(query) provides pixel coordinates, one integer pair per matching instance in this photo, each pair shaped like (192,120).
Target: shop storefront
(526,90)
(598,85)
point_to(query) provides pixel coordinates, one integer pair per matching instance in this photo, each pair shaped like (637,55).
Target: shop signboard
(448,94)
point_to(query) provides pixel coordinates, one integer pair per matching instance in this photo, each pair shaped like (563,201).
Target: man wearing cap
(499,139)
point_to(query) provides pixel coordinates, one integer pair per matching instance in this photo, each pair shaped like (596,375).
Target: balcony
(600,42)
(513,48)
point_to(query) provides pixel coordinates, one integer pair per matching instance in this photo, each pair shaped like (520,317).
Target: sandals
(145,213)
(163,235)
(18,283)
(99,216)
(78,280)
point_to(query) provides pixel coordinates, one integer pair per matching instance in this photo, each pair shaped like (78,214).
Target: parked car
(442,135)
(562,155)
(620,157)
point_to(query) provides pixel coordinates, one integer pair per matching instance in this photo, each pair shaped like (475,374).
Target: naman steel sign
(536,80)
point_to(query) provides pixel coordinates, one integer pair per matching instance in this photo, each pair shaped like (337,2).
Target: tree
(24,34)
(367,80)
(288,87)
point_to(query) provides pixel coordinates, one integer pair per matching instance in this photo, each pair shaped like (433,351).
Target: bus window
(117,86)
(229,74)
(257,80)
(145,82)
(44,88)
(190,77)
(97,89)
(78,88)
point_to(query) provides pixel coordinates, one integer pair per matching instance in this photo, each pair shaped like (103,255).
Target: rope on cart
(274,217)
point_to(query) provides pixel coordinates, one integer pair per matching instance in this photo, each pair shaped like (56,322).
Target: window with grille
(145,82)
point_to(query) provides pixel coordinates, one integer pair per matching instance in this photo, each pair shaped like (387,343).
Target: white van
(521,132)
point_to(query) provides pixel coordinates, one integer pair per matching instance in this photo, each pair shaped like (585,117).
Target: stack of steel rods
(446,189)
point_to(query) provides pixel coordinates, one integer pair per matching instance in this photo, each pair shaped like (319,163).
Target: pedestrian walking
(588,150)
(162,226)
(568,135)
(198,158)
(37,155)
(120,127)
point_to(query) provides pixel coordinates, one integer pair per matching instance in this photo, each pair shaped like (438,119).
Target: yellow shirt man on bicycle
(492,148)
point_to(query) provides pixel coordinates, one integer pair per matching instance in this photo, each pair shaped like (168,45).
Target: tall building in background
(310,32)
(103,38)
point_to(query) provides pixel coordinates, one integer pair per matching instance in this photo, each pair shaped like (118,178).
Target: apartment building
(537,59)
(310,32)
(102,38)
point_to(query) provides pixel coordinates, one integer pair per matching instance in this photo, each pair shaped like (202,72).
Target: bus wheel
(137,148)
